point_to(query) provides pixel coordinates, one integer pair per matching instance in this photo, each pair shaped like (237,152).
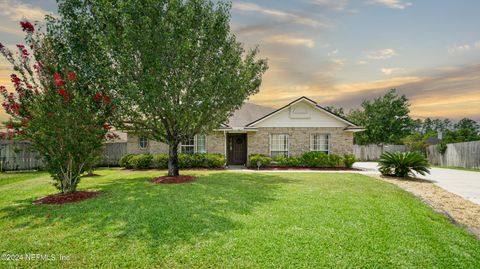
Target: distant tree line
(387,121)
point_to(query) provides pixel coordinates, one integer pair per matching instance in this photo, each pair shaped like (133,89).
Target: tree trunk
(173,160)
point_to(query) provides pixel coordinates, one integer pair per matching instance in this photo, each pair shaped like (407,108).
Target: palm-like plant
(403,164)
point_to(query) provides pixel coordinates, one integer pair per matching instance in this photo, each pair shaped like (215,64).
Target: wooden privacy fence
(466,155)
(372,152)
(18,155)
(112,153)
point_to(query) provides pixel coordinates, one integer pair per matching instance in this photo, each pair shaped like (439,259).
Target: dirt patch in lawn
(459,210)
(91,175)
(172,180)
(67,198)
(279,167)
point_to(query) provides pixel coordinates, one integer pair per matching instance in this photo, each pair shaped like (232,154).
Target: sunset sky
(340,52)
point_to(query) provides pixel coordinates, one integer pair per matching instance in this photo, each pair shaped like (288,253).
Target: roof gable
(302,112)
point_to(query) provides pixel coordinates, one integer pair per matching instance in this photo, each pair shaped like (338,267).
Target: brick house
(291,130)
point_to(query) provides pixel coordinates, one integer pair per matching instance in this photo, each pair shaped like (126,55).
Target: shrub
(141,161)
(201,160)
(125,161)
(349,160)
(160,161)
(214,160)
(334,160)
(185,160)
(288,161)
(403,164)
(256,159)
(315,159)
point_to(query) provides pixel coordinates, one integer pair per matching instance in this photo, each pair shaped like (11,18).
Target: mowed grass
(231,220)
(11,177)
(460,168)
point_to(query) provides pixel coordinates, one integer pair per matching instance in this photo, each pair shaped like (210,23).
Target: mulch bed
(183,169)
(172,180)
(67,198)
(275,167)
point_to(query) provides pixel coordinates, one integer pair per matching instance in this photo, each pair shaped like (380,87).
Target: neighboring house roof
(247,113)
(351,126)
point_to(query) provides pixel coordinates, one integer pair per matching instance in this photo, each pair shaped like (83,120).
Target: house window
(279,145)
(197,144)
(319,142)
(142,142)
(188,146)
(201,145)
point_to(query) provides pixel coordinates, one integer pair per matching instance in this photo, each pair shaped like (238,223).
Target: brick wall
(215,144)
(341,142)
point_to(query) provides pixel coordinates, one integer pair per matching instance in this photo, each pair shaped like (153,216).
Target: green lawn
(224,220)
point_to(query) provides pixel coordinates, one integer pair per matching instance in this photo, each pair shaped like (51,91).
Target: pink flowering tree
(49,106)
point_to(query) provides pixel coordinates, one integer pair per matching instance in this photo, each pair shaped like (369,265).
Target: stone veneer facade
(341,142)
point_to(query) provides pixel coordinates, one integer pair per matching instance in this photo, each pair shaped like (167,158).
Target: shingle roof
(247,113)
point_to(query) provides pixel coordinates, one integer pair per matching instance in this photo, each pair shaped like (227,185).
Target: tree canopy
(65,121)
(180,71)
(385,118)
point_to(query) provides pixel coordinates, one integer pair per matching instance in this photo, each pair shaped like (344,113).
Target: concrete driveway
(462,183)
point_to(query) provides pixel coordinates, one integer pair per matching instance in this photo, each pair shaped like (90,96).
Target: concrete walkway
(463,183)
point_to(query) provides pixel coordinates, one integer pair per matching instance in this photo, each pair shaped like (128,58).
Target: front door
(237,149)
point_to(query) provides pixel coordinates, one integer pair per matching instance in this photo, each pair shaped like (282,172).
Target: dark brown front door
(237,149)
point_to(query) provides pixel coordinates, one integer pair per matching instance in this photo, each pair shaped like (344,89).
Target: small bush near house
(201,160)
(288,161)
(315,159)
(320,159)
(259,159)
(334,160)
(160,161)
(403,164)
(141,161)
(349,160)
(214,160)
(125,161)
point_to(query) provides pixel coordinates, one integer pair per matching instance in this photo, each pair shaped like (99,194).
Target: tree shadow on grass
(159,215)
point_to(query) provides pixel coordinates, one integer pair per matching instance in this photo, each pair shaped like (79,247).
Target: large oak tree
(180,69)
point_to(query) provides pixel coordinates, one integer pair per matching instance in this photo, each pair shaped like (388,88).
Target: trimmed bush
(160,161)
(403,164)
(288,161)
(334,160)
(349,160)
(125,161)
(320,159)
(315,159)
(141,161)
(214,160)
(201,160)
(256,159)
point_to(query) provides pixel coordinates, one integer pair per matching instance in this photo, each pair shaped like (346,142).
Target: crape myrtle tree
(65,121)
(181,71)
